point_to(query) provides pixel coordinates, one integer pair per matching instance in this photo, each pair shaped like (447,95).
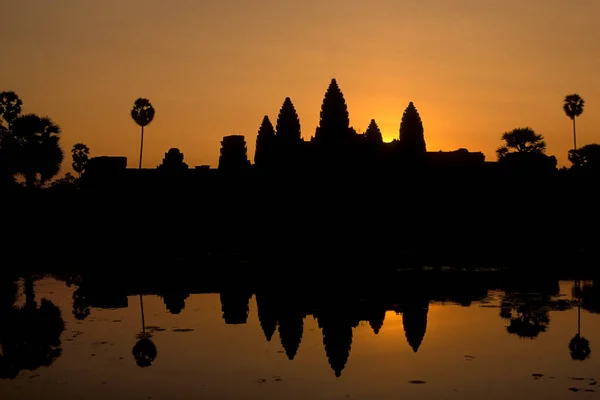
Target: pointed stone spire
(373,134)
(335,122)
(412,139)
(264,142)
(288,123)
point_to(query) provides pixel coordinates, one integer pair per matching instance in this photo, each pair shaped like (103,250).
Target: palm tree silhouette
(573,107)
(144,351)
(142,113)
(579,346)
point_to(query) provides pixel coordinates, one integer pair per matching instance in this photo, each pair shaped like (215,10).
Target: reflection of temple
(234,305)
(414,321)
(338,309)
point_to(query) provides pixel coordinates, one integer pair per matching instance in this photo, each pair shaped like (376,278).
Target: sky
(473,68)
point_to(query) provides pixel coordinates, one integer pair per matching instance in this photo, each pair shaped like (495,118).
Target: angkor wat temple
(336,147)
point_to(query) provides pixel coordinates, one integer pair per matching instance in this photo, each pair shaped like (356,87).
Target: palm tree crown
(142,112)
(573,105)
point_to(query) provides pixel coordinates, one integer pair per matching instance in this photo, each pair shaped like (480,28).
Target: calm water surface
(506,345)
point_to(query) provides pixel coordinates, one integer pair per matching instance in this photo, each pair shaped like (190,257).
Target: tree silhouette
(173,161)
(264,142)
(334,125)
(573,107)
(67,182)
(524,149)
(10,108)
(412,137)
(29,335)
(528,313)
(521,140)
(142,113)
(36,142)
(373,134)
(586,157)
(80,154)
(288,124)
(81,304)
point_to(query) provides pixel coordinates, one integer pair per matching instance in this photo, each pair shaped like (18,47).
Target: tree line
(31,154)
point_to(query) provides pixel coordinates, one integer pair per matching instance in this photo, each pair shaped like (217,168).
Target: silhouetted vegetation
(331,189)
(573,107)
(80,154)
(142,113)
(29,144)
(29,335)
(525,151)
(586,159)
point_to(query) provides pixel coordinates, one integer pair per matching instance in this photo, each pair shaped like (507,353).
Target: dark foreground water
(506,344)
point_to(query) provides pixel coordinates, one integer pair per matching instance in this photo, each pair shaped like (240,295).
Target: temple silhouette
(336,147)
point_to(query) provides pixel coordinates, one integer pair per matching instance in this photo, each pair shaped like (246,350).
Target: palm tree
(579,347)
(573,107)
(36,148)
(142,113)
(10,107)
(80,153)
(144,351)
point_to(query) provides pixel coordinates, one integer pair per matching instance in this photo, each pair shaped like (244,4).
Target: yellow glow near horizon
(473,69)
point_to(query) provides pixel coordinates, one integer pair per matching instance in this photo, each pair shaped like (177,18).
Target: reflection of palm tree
(144,351)
(81,305)
(579,346)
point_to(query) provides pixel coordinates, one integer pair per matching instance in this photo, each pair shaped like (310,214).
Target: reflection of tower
(234,305)
(414,321)
(376,318)
(337,338)
(290,317)
(267,313)
(175,301)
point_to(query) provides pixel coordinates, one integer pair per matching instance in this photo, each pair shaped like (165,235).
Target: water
(466,352)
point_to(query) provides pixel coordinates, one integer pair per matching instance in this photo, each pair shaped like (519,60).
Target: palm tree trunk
(578,283)
(579,320)
(143,321)
(574,136)
(141,148)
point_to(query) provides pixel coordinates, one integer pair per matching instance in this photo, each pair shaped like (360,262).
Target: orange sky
(215,67)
